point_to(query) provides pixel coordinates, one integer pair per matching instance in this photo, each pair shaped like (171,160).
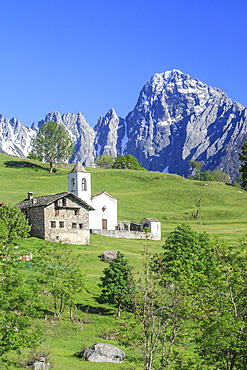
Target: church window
(74,225)
(104,208)
(77,212)
(84,184)
(53,224)
(61,224)
(73,184)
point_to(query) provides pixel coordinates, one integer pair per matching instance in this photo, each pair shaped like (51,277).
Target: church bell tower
(79,183)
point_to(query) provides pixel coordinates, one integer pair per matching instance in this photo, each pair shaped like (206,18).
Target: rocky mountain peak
(176,119)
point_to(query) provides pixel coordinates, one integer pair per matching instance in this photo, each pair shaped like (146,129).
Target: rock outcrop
(103,352)
(109,255)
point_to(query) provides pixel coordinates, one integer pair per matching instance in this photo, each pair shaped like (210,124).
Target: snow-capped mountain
(15,138)
(176,119)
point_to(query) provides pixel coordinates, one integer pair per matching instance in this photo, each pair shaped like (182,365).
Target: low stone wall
(124,234)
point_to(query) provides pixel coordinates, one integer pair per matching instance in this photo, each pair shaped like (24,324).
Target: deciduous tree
(196,167)
(60,275)
(117,284)
(127,161)
(160,310)
(19,307)
(13,224)
(105,161)
(52,144)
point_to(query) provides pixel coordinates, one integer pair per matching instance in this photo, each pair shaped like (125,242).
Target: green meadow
(167,197)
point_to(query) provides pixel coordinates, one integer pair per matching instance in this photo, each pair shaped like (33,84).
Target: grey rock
(109,255)
(102,352)
(40,364)
(109,133)
(176,119)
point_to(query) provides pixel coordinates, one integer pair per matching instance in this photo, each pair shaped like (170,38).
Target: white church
(104,216)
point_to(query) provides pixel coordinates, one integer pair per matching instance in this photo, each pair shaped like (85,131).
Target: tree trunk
(51,167)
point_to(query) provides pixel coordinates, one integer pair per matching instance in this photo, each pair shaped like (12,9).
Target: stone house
(59,217)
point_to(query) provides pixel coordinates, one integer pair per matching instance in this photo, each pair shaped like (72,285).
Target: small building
(153,226)
(59,217)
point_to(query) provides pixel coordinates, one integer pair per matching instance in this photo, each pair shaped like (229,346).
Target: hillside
(170,198)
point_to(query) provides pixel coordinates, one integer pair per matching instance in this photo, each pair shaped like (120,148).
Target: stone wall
(67,223)
(35,217)
(125,234)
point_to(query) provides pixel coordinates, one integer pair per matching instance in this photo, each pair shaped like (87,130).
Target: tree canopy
(127,161)
(105,161)
(116,283)
(13,224)
(243,168)
(52,144)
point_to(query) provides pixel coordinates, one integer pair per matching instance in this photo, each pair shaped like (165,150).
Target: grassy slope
(169,198)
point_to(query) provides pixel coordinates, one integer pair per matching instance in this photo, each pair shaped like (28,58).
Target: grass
(169,198)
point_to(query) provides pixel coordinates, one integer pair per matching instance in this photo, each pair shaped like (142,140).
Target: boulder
(39,364)
(102,352)
(109,256)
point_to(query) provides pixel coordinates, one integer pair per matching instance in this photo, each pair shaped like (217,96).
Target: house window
(64,202)
(74,225)
(61,224)
(73,184)
(56,212)
(84,184)
(77,212)
(80,226)
(53,224)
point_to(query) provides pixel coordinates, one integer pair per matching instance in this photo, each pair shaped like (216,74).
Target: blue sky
(92,55)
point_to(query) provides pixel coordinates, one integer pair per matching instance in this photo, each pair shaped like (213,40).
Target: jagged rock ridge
(176,119)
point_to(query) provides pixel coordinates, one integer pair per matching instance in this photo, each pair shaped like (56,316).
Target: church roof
(78,168)
(103,193)
(46,200)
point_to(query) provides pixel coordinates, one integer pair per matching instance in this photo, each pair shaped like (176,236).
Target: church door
(104,224)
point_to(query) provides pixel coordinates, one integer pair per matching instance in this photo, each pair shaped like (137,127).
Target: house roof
(150,220)
(46,200)
(103,193)
(78,168)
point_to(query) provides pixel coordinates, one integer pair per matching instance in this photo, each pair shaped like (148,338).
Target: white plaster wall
(77,190)
(156,229)
(110,213)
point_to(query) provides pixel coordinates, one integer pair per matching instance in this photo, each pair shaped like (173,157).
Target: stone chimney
(30,195)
